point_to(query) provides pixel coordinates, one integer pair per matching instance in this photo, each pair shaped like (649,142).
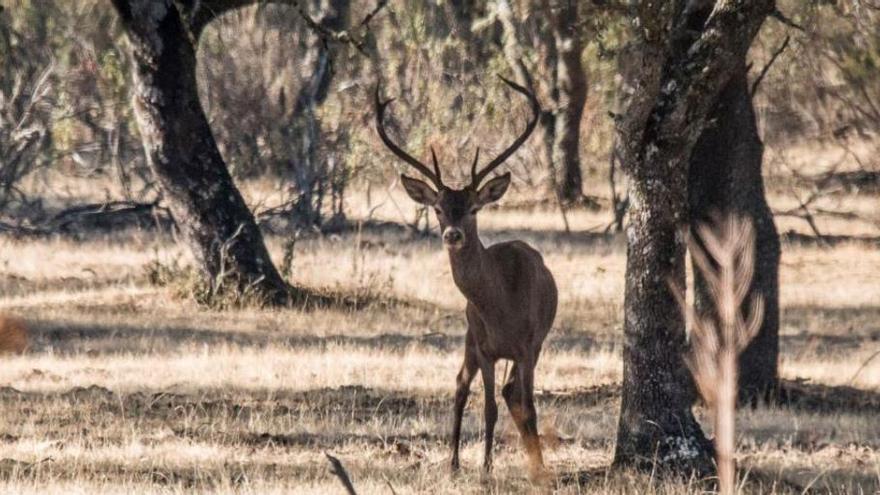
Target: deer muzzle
(453,237)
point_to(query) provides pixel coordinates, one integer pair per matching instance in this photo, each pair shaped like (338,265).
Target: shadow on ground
(72,338)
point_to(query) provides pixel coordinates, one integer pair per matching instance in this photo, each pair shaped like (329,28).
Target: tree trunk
(183,155)
(309,169)
(655,414)
(673,73)
(725,177)
(570,95)
(513,52)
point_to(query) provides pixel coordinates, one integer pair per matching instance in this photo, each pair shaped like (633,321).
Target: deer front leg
(490,411)
(463,386)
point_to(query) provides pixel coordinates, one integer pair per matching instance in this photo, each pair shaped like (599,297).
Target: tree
(725,178)
(304,131)
(569,92)
(180,147)
(26,85)
(675,68)
(559,41)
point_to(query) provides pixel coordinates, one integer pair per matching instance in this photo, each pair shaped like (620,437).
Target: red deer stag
(511,295)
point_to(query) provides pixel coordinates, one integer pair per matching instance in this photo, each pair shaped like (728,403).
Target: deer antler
(403,155)
(477,177)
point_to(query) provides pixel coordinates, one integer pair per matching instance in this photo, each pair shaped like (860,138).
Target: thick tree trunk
(570,95)
(183,155)
(657,426)
(725,178)
(673,73)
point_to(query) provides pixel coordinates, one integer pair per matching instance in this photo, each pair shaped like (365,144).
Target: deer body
(511,295)
(13,335)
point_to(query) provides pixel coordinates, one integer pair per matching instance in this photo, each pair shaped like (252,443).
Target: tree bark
(308,168)
(656,424)
(570,96)
(183,155)
(560,45)
(725,178)
(674,72)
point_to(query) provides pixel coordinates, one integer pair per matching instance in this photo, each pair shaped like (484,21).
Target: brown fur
(13,335)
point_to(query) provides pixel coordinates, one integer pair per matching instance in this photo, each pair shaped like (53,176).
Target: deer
(511,294)
(13,335)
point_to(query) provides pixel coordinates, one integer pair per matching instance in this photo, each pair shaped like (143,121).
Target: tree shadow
(597,479)
(825,399)
(67,338)
(826,240)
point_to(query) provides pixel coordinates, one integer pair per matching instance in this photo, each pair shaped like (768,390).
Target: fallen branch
(107,215)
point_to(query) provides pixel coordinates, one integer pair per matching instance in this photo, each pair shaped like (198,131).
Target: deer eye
(437,211)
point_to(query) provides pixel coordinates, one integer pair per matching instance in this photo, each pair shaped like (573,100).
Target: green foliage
(438,62)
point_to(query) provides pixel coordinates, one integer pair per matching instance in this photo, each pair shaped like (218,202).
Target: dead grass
(128,389)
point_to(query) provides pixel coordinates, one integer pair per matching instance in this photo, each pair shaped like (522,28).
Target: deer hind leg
(462,390)
(512,393)
(490,411)
(529,418)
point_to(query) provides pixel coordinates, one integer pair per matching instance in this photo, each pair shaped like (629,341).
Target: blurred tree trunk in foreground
(676,67)
(181,149)
(725,177)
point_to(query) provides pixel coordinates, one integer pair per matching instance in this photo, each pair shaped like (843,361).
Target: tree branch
(203,12)
(779,16)
(767,66)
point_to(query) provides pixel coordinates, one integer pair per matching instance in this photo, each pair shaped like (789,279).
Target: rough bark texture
(570,95)
(725,177)
(676,70)
(182,153)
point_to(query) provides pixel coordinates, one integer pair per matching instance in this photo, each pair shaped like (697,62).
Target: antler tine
(403,155)
(476,178)
(474,164)
(436,166)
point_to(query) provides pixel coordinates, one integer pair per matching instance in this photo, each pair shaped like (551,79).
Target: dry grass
(127,388)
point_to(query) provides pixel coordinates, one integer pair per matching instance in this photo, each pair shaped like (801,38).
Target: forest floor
(128,387)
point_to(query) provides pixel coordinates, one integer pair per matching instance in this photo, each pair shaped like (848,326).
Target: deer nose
(453,236)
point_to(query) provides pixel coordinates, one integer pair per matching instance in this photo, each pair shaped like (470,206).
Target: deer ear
(493,190)
(419,191)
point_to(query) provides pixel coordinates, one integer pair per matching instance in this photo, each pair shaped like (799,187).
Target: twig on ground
(339,470)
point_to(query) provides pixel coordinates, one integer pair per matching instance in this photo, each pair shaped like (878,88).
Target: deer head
(456,209)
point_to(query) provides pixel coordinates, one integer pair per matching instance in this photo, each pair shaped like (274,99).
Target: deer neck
(470,271)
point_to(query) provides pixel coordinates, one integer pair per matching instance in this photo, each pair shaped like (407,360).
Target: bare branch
(779,16)
(767,66)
